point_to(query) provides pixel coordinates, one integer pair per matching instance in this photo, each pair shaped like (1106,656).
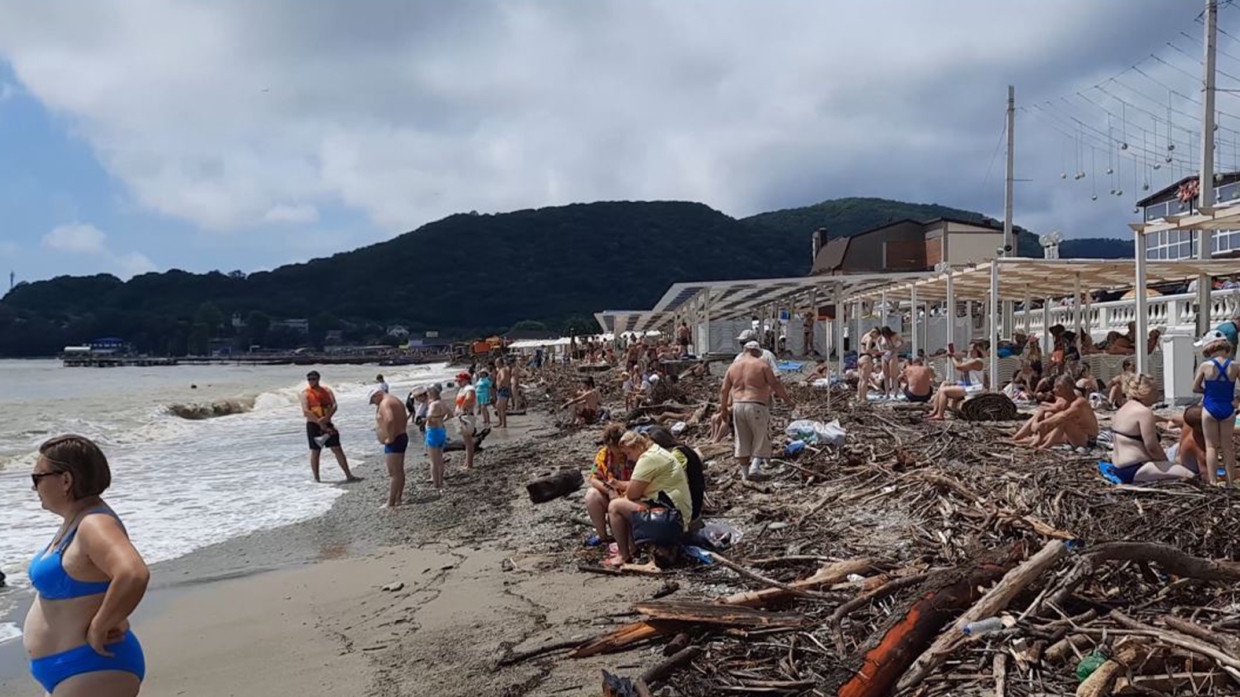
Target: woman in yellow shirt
(658,480)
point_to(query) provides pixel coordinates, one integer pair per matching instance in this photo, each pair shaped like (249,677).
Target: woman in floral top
(608,480)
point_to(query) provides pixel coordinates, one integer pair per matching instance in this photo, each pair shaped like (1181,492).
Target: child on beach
(484,390)
(1216,381)
(587,402)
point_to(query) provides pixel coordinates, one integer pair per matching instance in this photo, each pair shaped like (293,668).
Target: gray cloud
(235,114)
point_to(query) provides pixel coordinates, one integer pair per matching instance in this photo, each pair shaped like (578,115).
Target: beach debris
(887,546)
(816,432)
(393,587)
(989,406)
(553,486)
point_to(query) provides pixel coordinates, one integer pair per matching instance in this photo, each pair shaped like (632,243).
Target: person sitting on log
(587,403)
(608,481)
(690,460)
(1074,424)
(1139,456)
(950,394)
(657,505)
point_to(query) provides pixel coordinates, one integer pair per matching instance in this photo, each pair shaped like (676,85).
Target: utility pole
(1205,179)
(1009,237)
(1009,241)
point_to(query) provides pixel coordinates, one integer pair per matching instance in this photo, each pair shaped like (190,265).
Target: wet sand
(301,610)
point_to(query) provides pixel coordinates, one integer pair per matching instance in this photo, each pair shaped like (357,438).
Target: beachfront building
(907,246)
(1180,199)
(299,326)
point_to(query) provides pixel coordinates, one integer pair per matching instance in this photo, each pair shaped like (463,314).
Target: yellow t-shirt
(662,473)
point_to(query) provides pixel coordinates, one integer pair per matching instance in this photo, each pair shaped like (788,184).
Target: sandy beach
(302,610)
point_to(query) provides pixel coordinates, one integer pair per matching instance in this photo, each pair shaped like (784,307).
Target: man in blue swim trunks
(391,418)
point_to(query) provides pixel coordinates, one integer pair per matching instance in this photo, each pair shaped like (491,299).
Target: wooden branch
(1228,643)
(1181,640)
(827,575)
(640,631)
(866,598)
(518,656)
(754,576)
(876,667)
(1000,673)
(659,671)
(1098,684)
(991,604)
(1168,557)
(716,614)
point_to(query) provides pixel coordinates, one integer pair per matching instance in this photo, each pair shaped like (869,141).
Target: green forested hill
(462,275)
(844,217)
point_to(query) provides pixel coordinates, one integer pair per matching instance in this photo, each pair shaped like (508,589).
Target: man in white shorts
(746,394)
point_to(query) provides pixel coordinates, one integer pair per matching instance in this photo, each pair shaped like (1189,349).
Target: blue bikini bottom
(52,670)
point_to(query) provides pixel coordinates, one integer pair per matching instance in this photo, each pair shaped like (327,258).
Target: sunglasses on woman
(38,477)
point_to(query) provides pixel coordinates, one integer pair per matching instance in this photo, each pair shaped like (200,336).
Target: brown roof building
(907,245)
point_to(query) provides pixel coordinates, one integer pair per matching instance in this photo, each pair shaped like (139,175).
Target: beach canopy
(1049,278)
(628,321)
(747,297)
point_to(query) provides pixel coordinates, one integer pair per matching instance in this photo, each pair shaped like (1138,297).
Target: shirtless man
(437,414)
(515,401)
(503,390)
(318,405)
(746,395)
(919,380)
(391,418)
(1073,425)
(587,402)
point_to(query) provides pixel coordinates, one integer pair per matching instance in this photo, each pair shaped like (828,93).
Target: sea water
(179,484)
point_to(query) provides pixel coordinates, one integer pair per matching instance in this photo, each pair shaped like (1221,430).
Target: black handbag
(659,523)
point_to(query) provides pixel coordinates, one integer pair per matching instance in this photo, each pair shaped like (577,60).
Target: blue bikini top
(47,571)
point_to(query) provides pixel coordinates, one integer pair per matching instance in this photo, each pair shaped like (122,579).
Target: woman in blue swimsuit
(1216,380)
(89,580)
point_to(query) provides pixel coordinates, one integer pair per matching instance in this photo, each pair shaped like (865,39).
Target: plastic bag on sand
(816,432)
(716,534)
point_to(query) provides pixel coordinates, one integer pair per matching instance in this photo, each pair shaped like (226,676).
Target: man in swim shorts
(318,405)
(746,394)
(503,392)
(391,418)
(919,380)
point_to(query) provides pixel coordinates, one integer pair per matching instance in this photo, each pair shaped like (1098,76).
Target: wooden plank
(716,614)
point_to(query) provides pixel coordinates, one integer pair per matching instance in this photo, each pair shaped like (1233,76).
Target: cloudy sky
(142,136)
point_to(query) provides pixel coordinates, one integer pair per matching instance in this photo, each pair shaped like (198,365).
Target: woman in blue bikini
(1216,380)
(89,580)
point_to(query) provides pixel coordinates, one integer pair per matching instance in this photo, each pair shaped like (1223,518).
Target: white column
(913,320)
(1028,313)
(968,312)
(951,322)
(857,327)
(993,335)
(837,326)
(1076,303)
(1046,333)
(1143,358)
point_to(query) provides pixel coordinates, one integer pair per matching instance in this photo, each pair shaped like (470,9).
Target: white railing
(1170,313)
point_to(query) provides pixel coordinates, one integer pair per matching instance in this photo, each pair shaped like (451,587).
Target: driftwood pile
(863,566)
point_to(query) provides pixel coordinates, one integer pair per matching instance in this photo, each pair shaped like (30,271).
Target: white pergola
(624,321)
(1019,279)
(718,300)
